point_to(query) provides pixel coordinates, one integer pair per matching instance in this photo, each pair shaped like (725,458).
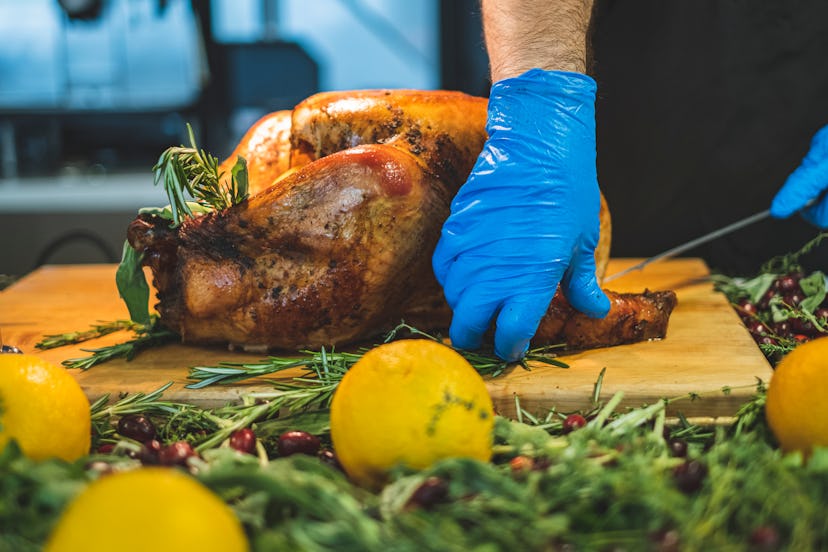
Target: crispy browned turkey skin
(348,195)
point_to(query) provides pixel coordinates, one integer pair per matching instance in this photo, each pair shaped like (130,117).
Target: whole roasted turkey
(348,193)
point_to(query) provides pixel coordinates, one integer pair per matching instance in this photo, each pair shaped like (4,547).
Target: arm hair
(548,34)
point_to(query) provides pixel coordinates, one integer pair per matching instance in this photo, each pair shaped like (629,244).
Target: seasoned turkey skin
(349,192)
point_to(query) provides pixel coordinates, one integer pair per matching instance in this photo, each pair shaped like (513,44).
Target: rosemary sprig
(194,172)
(322,361)
(146,336)
(51,341)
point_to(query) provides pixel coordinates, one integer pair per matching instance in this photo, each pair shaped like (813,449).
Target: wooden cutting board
(707,349)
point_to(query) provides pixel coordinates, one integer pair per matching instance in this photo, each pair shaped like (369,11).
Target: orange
(43,408)
(159,509)
(797,399)
(409,402)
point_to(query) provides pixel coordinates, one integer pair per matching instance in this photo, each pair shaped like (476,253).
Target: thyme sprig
(188,170)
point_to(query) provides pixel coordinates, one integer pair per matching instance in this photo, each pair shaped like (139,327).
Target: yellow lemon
(409,402)
(43,408)
(797,398)
(154,508)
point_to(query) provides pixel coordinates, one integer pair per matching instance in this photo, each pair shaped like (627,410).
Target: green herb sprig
(188,170)
(51,341)
(145,337)
(324,362)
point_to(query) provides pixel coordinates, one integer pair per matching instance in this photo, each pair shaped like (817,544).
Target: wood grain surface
(707,349)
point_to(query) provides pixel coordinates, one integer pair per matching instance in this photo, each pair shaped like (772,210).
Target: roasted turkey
(348,193)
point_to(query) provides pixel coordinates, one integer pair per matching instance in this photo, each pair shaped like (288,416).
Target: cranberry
(783,329)
(802,326)
(689,476)
(176,454)
(137,427)
(243,440)
(329,457)
(573,422)
(747,308)
(297,442)
(105,448)
(821,313)
(787,283)
(149,452)
(764,538)
(431,492)
(764,302)
(793,299)
(757,328)
(678,447)
(666,541)
(765,340)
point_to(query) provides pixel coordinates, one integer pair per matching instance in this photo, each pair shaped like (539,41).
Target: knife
(672,252)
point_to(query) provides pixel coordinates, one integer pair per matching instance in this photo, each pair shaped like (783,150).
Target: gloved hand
(527,217)
(807,182)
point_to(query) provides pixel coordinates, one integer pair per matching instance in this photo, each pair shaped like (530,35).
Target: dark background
(704,108)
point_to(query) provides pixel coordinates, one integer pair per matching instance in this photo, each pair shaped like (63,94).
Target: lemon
(409,402)
(153,508)
(797,399)
(43,408)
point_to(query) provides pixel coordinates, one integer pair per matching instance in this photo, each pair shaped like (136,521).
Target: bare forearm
(548,34)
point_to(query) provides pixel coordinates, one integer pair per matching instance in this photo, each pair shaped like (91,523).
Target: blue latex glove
(807,182)
(527,217)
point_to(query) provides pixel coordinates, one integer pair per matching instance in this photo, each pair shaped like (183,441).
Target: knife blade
(677,250)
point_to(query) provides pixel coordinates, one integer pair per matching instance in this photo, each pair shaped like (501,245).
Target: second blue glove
(527,217)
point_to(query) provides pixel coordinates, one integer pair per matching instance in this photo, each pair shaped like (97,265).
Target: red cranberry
(176,454)
(689,476)
(137,427)
(678,447)
(787,283)
(802,326)
(748,308)
(329,457)
(431,492)
(150,452)
(764,302)
(105,448)
(821,314)
(573,422)
(783,329)
(764,538)
(243,440)
(757,328)
(764,340)
(297,442)
(666,541)
(793,299)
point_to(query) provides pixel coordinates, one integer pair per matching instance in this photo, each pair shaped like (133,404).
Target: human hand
(806,183)
(527,217)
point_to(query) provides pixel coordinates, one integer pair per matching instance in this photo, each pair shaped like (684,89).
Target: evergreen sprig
(188,170)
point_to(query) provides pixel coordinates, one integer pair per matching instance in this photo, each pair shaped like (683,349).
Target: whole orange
(797,398)
(43,408)
(158,509)
(409,402)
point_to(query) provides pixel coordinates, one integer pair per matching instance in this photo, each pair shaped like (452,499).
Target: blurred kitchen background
(692,134)
(92,91)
